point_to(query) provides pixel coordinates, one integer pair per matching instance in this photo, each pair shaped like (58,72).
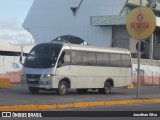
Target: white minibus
(63,66)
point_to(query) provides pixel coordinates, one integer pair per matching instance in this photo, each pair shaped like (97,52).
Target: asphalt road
(151,109)
(19,95)
(138,109)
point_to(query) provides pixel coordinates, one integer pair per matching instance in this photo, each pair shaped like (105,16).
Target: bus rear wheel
(82,90)
(62,88)
(34,90)
(106,89)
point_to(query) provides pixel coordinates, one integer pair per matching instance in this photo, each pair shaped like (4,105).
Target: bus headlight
(48,75)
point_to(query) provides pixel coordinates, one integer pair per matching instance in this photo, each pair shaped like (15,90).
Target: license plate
(32,80)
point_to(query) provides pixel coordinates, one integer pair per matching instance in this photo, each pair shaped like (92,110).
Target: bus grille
(32,82)
(33,76)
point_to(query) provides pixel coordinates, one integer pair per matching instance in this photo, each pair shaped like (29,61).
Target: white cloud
(10,24)
(17,38)
(12,31)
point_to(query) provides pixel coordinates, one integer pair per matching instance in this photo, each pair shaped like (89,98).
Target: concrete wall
(149,72)
(10,68)
(49,19)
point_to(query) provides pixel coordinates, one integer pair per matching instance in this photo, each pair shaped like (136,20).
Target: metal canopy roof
(113,20)
(108,20)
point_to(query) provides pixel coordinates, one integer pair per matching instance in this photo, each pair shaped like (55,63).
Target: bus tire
(62,88)
(34,90)
(106,89)
(82,90)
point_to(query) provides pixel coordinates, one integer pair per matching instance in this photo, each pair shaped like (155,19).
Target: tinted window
(64,58)
(102,59)
(126,62)
(43,55)
(115,60)
(76,57)
(89,58)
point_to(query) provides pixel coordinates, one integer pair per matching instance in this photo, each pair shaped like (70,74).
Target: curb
(75,105)
(129,87)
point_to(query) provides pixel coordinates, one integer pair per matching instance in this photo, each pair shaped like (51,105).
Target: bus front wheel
(62,88)
(106,89)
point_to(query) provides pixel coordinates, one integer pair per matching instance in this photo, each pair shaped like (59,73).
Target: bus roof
(68,46)
(95,48)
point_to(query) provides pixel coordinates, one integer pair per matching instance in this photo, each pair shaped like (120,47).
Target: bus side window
(89,58)
(76,57)
(64,59)
(102,59)
(115,60)
(126,61)
(67,58)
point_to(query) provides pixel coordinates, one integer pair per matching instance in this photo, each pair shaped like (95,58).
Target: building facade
(10,66)
(50,19)
(98,22)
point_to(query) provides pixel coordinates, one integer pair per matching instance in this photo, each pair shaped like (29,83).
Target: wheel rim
(108,88)
(63,88)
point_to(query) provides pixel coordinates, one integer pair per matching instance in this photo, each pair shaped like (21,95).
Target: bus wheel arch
(67,80)
(110,80)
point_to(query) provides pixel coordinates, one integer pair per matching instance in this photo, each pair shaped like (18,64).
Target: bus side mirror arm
(21,54)
(20,60)
(60,62)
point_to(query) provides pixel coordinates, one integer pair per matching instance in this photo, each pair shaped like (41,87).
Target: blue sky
(12,15)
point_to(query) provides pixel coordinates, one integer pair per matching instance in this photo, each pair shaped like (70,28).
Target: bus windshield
(43,56)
